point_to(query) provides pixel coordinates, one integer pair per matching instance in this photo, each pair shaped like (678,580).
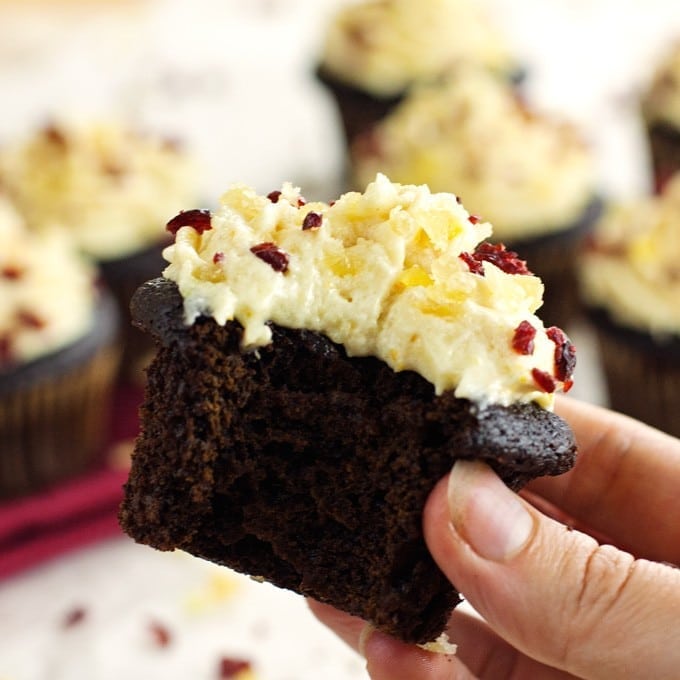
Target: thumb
(554,594)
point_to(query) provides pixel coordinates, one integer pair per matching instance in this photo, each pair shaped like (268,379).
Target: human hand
(586,587)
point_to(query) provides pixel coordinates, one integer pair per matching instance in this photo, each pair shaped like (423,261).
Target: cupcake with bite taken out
(111,190)
(375,51)
(630,281)
(531,176)
(661,114)
(320,368)
(58,359)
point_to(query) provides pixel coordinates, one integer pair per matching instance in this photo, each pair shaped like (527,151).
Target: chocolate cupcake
(630,281)
(531,176)
(374,52)
(321,367)
(58,360)
(112,190)
(661,114)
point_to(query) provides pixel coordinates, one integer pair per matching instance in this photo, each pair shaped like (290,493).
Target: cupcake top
(47,292)
(384,46)
(526,174)
(396,272)
(632,267)
(661,102)
(107,186)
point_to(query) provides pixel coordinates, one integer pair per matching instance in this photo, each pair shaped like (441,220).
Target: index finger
(625,483)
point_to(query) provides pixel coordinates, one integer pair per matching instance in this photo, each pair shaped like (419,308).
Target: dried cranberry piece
(229,668)
(312,221)
(301,201)
(523,338)
(272,255)
(200,220)
(218,257)
(74,617)
(274,196)
(474,265)
(543,380)
(11,272)
(565,353)
(161,635)
(54,135)
(506,260)
(6,352)
(30,319)
(474,219)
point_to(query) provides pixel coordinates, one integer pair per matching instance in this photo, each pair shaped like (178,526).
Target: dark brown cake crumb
(308,468)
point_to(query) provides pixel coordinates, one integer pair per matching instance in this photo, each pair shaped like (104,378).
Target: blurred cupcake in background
(532,177)
(58,358)
(375,51)
(630,281)
(112,190)
(661,114)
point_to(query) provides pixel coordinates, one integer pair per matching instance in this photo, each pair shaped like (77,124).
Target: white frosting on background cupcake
(110,188)
(384,46)
(632,269)
(526,174)
(661,102)
(47,292)
(397,273)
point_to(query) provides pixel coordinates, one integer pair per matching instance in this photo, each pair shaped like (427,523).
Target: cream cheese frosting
(396,272)
(107,186)
(632,268)
(384,46)
(661,102)
(526,174)
(47,292)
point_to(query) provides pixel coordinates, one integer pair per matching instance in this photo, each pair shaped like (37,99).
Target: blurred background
(233,83)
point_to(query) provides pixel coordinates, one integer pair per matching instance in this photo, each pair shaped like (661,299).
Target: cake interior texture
(310,469)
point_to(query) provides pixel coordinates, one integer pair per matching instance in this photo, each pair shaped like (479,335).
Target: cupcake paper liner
(553,258)
(642,375)
(54,411)
(358,110)
(664,147)
(123,276)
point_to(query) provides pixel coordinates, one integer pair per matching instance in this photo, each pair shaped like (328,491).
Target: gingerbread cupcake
(111,189)
(531,176)
(374,52)
(321,367)
(58,359)
(661,114)
(630,281)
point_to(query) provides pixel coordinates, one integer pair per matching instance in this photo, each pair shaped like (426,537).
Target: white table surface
(232,78)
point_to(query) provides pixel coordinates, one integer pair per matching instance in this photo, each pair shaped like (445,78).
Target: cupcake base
(54,411)
(642,375)
(358,110)
(308,468)
(123,276)
(553,258)
(664,142)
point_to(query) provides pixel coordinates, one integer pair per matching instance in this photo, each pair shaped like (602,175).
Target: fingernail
(485,513)
(364,636)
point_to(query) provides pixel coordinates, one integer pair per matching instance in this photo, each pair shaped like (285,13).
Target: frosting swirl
(526,174)
(384,46)
(632,267)
(396,272)
(661,101)
(107,186)
(47,292)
